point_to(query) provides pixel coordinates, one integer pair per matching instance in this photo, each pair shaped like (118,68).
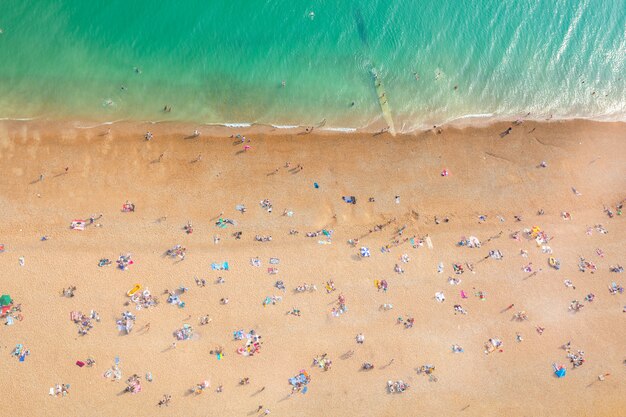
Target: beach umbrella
(365,252)
(5,300)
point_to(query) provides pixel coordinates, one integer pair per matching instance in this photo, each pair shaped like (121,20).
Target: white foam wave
(17,119)
(339,129)
(236,124)
(108,123)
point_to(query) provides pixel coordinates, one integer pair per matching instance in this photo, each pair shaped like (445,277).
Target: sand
(488,175)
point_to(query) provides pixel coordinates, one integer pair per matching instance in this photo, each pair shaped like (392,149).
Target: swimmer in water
(312,15)
(283,83)
(137,70)
(417,76)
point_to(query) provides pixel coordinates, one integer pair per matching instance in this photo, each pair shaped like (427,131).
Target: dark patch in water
(360,26)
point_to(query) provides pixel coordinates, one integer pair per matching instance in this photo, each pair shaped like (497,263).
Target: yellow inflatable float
(133,290)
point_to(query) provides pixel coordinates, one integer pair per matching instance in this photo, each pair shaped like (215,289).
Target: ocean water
(225,61)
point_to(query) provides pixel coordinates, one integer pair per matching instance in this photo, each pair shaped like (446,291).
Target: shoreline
(230,129)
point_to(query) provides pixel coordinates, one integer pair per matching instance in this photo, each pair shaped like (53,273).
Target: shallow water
(224,62)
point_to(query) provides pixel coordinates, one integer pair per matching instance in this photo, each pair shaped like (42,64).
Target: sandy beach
(177,178)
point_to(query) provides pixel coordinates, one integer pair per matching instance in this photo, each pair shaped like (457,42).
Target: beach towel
(301,378)
(78,225)
(220,266)
(473,242)
(76,316)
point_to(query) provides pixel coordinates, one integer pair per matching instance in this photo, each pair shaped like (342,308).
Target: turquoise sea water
(224,61)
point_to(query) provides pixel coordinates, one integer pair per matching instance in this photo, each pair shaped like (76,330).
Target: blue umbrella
(365,252)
